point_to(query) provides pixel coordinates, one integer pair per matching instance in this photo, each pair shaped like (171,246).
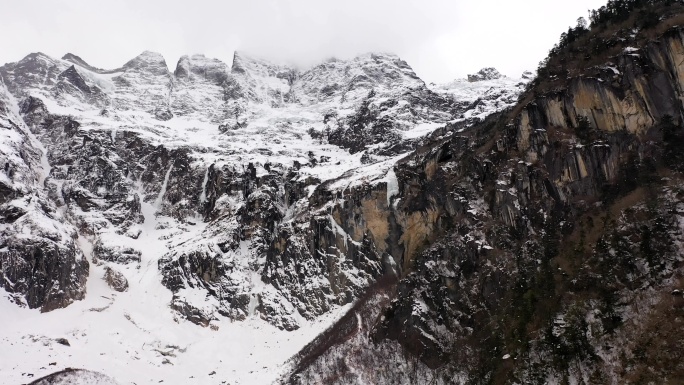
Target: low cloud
(442,40)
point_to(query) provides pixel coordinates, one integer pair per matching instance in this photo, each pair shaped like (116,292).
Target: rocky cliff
(42,265)
(535,247)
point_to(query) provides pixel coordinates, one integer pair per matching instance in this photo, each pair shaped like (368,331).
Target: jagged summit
(258,80)
(487,73)
(36,56)
(75,59)
(198,66)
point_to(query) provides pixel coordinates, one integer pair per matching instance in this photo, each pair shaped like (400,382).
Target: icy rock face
(260,81)
(35,71)
(39,258)
(258,190)
(259,259)
(199,67)
(200,88)
(147,73)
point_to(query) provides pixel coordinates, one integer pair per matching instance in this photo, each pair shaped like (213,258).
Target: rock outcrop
(115,279)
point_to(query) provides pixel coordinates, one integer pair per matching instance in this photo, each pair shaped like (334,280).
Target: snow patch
(160,197)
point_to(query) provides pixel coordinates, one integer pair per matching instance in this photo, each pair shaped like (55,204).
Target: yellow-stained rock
(418,228)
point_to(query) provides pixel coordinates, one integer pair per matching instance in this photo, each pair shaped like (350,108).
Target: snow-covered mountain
(137,199)
(256,223)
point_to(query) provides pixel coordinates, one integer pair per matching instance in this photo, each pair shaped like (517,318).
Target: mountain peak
(148,61)
(75,59)
(487,73)
(238,63)
(36,56)
(70,57)
(151,55)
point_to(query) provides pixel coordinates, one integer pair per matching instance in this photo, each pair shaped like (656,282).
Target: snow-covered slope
(352,80)
(213,195)
(485,92)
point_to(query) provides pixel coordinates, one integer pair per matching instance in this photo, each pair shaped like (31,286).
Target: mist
(441,40)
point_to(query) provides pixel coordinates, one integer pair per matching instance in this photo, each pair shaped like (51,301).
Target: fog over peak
(440,39)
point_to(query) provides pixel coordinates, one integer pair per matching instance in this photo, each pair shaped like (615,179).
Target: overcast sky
(440,39)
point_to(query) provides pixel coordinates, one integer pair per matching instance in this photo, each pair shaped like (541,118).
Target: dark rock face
(47,267)
(552,177)
(74,78)
(291,264)
(32,268)
(192,313)
(34,111)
